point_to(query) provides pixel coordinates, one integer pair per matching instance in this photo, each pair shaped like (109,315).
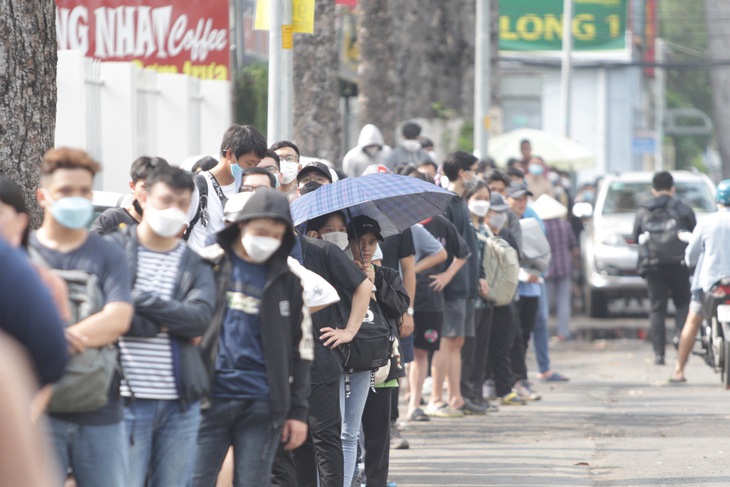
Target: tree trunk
(718,46)
(378,78)
(28,88)
(317,119)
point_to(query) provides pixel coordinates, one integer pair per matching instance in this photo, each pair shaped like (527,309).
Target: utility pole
(279,126)
(482,82)
(660,78)
(565,70)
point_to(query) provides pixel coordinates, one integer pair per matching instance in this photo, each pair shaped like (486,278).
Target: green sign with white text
(537,25)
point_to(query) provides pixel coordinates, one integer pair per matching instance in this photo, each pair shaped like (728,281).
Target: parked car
(610,255)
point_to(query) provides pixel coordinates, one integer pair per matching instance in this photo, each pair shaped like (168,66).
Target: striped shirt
(147,362)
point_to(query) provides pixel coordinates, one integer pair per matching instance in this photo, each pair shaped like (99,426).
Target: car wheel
(596,303)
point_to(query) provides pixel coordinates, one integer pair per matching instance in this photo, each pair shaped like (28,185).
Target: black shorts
(427,333)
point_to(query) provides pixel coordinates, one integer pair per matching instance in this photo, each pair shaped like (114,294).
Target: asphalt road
(616,423)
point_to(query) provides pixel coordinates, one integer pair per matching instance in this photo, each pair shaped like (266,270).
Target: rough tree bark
(718,47)
(378,88)
(27,91)
(317,120)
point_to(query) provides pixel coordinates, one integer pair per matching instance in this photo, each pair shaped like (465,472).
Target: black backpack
(662,246)
(202,213)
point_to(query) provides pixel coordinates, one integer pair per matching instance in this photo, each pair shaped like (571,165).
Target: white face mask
(479,207)
(338,238)
(289,171)
(498,220)
(259,249)
(165,223)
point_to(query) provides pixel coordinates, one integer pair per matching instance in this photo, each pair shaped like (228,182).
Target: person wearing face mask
(320,460)
(370,149)
(474,353)
(173,294)
(258,350)
(459,290)
(289,155)
(93,443)
(112,219)
(504,325)
(242,147)
(537,180)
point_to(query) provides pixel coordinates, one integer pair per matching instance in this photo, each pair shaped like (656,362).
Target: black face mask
(138,207)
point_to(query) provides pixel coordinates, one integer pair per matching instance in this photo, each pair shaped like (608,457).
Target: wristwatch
(410,311)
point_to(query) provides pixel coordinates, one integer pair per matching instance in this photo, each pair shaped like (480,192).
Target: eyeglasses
(272,169)
(251,189)
(291,158)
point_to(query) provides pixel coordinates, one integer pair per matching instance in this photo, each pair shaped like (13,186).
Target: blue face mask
(72,212)
(236,171)
(535,169)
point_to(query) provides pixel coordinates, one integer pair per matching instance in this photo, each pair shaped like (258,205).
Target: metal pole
(482,84)
(287,81)
(659,104)
(276,71)
(565,71)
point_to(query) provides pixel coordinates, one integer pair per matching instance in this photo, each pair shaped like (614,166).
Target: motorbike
(715,330)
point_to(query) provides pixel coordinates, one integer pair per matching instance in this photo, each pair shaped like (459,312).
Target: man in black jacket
(173,293)
(661,257)
(261,352)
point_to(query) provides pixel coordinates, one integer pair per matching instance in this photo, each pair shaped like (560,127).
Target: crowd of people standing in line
(218,328)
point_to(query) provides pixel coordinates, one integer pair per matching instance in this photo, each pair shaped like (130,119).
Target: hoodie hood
(370,135)
(265,203)
(657,202)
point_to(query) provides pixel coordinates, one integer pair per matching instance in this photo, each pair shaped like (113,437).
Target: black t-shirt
(428,300)
(464,283)
(111,219)
(397,247)
(333,265)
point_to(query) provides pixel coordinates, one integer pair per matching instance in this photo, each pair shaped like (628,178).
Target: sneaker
(396,441)
(443,411)
(488,390)
(512,399)
(523,390)
(427,386)
(470,407)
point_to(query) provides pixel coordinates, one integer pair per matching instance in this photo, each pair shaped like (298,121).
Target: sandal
(418,415)
(554,377)
(672,380)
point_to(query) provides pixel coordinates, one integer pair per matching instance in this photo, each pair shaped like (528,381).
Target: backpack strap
(202,213)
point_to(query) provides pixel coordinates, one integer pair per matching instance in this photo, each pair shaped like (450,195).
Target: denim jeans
(97,454)
(161,442)
(559,292)
(540,332)
(251,428)
(351,409)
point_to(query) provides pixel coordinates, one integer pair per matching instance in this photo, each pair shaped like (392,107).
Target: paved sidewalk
(616,423)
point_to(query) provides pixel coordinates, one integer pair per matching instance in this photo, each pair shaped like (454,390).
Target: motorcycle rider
(707,250)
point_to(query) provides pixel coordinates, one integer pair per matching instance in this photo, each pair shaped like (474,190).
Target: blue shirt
(707,250)
(240,369)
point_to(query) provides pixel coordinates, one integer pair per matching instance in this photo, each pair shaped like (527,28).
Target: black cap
(362,224)
(318,166)
(497,203)
(517,190)
(265,203)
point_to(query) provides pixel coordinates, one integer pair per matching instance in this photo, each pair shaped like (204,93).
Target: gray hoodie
(356,160)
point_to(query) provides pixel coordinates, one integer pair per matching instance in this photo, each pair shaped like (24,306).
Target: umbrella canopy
(396,202)
(556,150)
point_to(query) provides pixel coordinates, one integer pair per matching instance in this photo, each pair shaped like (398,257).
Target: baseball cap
(376,169)
(517,190)
(362,224)
(497,203)
(320,167)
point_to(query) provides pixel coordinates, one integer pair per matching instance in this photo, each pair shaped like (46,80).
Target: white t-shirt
(215,212)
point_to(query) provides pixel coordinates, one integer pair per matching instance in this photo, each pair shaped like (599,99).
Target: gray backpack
(89,374)
(501,267)
(535,246)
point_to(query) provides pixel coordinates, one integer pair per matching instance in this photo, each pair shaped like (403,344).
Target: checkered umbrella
(396,202)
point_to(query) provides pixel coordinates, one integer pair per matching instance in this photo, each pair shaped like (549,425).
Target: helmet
(723,192)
